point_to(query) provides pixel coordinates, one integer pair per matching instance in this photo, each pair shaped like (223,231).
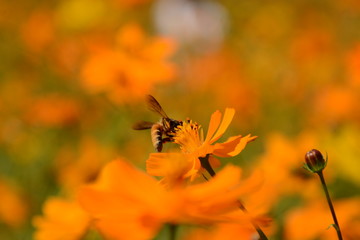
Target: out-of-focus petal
(217,199)
(63,219)
(128,197)
(229,176)
(13,208)
(174,167)
(164,164)
(160,48)
(131,36)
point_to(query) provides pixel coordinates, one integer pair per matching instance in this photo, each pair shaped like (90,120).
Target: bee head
(171,124)
(174,123)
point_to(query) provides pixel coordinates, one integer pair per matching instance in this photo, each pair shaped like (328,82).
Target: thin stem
(172,231)
(206,165)
(255,225)
(336,224)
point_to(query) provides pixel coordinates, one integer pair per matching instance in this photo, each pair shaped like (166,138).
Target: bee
(162,131)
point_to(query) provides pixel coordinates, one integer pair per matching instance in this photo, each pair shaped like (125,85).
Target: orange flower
(235,90)
(312,222)
(38,30)
(175,168)
(282,172)
(64,219)
(53,110)
(126,203)
(224,231)
(334,104)
(191,142)
(353,66)
(75,169)
(13,209)
(193,145)
(130,69)
(129,204)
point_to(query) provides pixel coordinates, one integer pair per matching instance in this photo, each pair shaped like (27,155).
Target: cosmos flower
(129,69)
(126,203)
(53,110)
(63,219)
(13,207)
(313,220)
(189,136)
(75,168)
(224,231)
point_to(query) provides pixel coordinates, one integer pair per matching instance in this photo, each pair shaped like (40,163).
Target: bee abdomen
(156,136)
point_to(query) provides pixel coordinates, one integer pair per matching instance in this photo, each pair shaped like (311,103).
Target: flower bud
(315,161)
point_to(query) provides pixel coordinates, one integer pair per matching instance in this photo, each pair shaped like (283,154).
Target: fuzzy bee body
(161,132)
(156,136)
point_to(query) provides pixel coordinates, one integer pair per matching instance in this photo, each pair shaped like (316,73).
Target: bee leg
(160,143)
(159,146)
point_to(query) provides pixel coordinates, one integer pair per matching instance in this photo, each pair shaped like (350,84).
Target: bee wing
(155,106)
(141,125)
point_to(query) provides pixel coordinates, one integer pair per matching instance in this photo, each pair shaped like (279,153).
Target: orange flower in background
(334,104)
(53,111)
(13,209)
(313,221)
(74,169)
(126,203)
(63,219)
(39,30)
(224,231)
(193,145)
(203,74)
(130,69)
(353,66)
(283,175)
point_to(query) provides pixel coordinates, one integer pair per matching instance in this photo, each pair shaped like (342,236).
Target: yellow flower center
(188,137)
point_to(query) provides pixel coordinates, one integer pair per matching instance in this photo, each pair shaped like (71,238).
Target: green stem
(206,165)
(332,210)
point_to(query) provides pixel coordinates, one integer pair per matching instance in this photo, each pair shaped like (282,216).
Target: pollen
(189,136)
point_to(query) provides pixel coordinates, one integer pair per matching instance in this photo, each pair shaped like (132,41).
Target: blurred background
(74,75)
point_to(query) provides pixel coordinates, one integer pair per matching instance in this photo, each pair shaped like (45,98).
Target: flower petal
(63,219)
(167,164)
(126,213)
(119,178)
(217,199)
(174,167)
(128,197)
(228,116)
(233,146)
(226,179)
(214,162)
(213,125)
